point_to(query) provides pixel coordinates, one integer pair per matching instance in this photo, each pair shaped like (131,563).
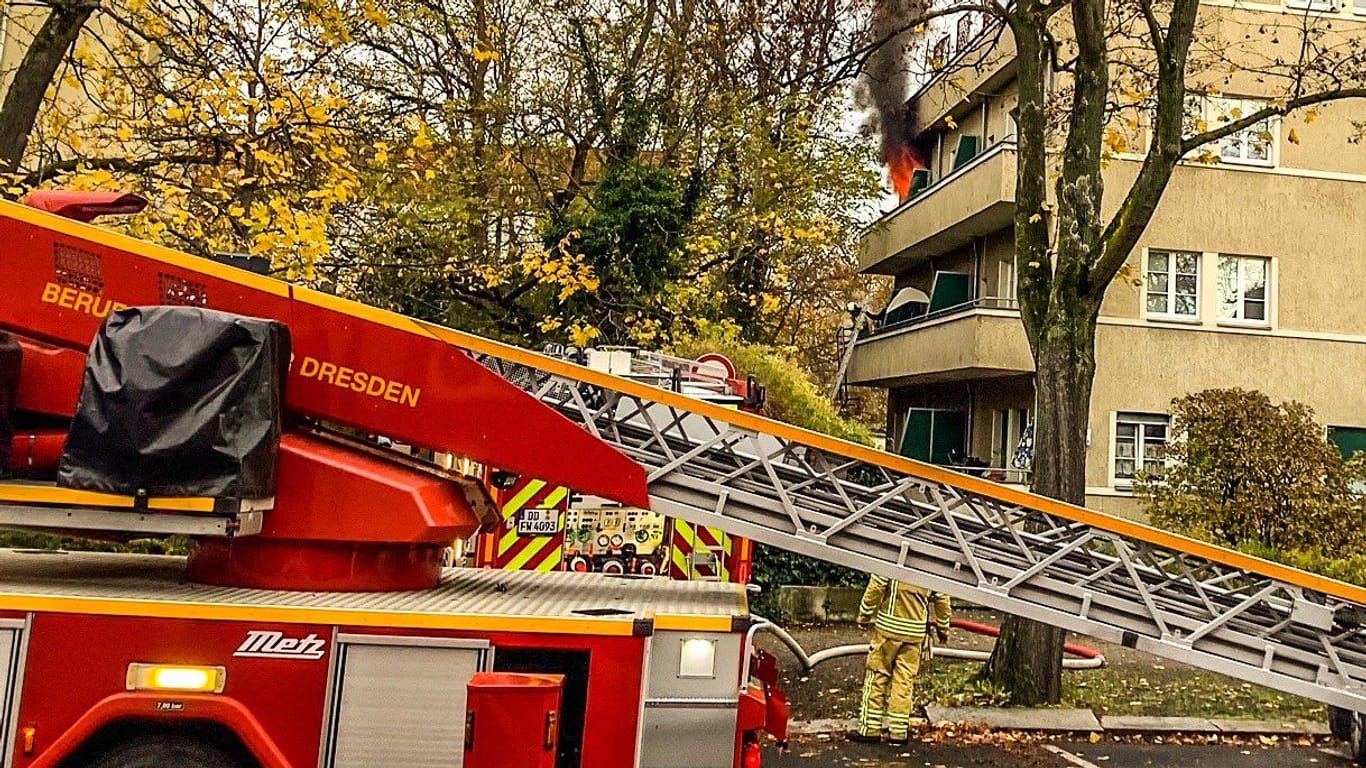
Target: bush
(1349,568)
(792,396)
(173,545)
(1243,471)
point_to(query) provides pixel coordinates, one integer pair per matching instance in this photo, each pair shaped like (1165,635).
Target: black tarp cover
(179,401)
(10,357)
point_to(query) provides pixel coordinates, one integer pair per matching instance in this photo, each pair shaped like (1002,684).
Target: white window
(1172,284)
(1139,442)
(1243,289)
(1005,280)
(1359,6)
(1313,5)
(1252,145)
(1008,428)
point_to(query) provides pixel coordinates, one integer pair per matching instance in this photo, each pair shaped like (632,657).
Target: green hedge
(792,396)
(1351,569)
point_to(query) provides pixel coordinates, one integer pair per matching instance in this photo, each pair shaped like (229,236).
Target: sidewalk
(1055,720)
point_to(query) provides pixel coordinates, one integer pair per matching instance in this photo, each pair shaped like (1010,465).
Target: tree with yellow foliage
(224,115)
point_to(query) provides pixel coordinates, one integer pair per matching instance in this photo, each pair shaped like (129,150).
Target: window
(1139,442)
(964,31)
(1359,6)
(1005,279)
(1313,5)
(1243,289)
(1008,428)
(1252,144)
(1173,284)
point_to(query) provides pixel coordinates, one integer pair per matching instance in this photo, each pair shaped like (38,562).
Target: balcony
(976,199)
(979,339)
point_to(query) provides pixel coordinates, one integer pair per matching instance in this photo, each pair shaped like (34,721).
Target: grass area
(1163,689)
(1132,683)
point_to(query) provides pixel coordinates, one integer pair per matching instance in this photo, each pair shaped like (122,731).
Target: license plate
(538,522)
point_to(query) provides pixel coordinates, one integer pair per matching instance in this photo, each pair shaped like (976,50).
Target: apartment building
(1252,274)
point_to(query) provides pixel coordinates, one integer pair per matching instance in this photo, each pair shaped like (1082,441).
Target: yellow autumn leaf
(582,335)
(375,14)
(423,138)
(1292,137)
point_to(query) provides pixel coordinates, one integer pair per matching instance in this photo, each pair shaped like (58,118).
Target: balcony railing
(976,339)
(984,302)
(1007,475)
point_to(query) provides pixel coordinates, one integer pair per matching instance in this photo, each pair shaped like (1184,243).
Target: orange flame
(902,162)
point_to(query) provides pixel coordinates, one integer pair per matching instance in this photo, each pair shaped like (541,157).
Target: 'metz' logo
(263,644)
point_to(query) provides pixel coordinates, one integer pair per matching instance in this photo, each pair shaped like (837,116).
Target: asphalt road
(837,753)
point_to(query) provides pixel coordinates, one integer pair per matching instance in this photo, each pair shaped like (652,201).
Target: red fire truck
(312,622)
(316,626)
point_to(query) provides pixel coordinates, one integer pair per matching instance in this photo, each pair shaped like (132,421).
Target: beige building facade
(1252,274)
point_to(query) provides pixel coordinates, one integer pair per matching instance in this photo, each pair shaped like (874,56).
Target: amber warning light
(174,677)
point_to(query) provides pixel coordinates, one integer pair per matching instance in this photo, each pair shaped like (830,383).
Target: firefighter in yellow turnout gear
(901,615)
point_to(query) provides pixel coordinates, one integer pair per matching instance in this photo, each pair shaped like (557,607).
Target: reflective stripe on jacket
(902,611)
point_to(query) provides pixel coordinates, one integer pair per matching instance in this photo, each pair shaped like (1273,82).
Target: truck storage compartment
(513,720)
(179,401)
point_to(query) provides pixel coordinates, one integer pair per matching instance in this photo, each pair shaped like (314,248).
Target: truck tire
(1356,739)
(1340,723)
(164,751)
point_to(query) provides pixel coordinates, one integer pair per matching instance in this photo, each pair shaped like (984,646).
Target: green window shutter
(967,149)
(916,442)
(950,289)
(934,436)
(1349,440)
(920,181)
(949,436)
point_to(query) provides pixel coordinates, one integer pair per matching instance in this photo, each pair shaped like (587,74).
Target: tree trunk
(34,75)
(1027,659)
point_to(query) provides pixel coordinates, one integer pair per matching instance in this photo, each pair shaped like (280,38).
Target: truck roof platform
(465,599)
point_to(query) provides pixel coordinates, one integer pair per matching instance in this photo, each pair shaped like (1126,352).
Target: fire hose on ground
(1083,657)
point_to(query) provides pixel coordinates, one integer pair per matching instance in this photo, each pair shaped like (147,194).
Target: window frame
(1268,291)
(1206,114)
(1169,316)
(1273,128)
(1322,6)
(1141,420)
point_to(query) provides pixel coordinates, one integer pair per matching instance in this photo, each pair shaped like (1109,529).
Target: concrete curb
(1083,721)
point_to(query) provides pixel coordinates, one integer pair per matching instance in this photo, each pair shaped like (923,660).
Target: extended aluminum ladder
(973,539)
(855,506)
